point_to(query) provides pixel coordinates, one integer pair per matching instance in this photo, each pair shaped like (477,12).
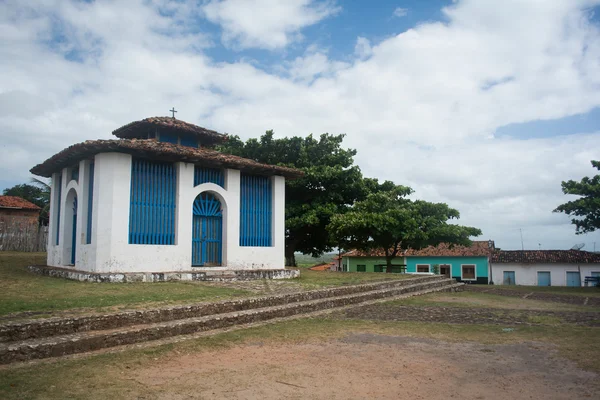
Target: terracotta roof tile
(479,248)
(151,149)
(544,256)
(17,202)
(140,129)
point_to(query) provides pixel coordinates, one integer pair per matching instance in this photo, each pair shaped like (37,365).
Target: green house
(464,263)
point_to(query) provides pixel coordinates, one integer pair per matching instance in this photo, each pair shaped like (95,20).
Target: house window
(88,237)
(422,267)
(379,268)
(255,211)
(361,268)
(468,272)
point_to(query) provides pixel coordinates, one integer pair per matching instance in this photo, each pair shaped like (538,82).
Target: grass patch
(22,291)
(544,319)
(488,300)
(575,291)
(107,375)
(316,279)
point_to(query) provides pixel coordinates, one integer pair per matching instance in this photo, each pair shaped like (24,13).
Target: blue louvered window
(58,202)
(208,175)
(90,203)
(152,208)
(255,211)
(188,141)
(168,137)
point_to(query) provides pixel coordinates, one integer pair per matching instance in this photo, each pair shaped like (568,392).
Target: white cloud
(266,24)
(362,48)
(400,12)
(421,108)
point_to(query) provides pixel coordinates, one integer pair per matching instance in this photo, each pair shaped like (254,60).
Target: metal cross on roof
(173,111)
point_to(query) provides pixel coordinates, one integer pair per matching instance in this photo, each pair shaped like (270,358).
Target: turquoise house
(464,263)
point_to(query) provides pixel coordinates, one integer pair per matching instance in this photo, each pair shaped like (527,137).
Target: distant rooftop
(478,248)
(18,203)
(544,257)
(142,129)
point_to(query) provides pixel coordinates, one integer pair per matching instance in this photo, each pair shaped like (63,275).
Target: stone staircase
(54,337)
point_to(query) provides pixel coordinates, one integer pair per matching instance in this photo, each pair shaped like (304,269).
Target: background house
(544,267)
(464,263)
(17,212)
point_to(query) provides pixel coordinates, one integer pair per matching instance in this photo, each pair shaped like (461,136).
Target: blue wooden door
(207,231)
(509,277)
(573,279)
(74,234)
(543,278)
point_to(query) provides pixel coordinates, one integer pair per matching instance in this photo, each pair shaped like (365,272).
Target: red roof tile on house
(16,202)
(544,257)
(152,149)
(478,248)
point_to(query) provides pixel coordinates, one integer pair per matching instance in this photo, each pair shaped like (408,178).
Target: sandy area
(363,366)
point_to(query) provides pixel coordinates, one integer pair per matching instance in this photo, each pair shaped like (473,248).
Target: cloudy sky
(485,105)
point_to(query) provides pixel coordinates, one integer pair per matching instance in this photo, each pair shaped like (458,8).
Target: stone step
(39,328)
(100,339)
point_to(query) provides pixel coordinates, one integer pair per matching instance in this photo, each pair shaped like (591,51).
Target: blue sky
(481,104)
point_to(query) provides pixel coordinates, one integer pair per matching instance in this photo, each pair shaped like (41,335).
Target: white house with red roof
(544,267)
(160,203)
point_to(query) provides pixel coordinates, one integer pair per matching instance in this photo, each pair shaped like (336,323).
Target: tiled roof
(152,149)
(479,248)
(544,256)
(140,129)
(17,202)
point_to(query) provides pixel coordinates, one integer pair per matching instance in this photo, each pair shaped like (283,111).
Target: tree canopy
(38,194)
(388,220)
(586,209)
(330,186)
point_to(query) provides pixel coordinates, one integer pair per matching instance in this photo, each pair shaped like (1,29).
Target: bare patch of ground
(578,298)
(370,366)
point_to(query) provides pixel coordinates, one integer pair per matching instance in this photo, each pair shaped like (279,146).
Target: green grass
(317,279)
(23,291)
(307,261)
(107,375)
(577,291)
(488,300)
(31,295)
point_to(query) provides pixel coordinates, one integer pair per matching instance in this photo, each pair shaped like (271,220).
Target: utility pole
(522,247)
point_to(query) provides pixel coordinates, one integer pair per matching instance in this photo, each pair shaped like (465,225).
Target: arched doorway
(69,232)
(74,231)
(207,230)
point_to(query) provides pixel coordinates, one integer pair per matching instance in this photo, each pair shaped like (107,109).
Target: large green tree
(38,193)
(585,209)
(388,220)
(330,185)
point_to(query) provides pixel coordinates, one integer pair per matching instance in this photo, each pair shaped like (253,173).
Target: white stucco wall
(110,250)
(526,274)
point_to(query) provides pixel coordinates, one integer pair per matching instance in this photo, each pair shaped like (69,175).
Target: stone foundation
(202,275)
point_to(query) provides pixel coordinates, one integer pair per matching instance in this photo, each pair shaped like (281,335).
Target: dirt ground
(363,365)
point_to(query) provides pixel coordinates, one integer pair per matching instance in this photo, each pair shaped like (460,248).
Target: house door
(543,278)
(207,231)
(509,277)
(445,270)
(74,234)
(573,279)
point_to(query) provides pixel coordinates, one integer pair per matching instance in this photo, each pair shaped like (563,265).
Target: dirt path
(370,366)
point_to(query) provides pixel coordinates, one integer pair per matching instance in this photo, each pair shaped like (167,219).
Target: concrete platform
(204,274)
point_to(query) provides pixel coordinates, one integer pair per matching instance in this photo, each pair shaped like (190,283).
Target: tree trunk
(388,264)
(290,258)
